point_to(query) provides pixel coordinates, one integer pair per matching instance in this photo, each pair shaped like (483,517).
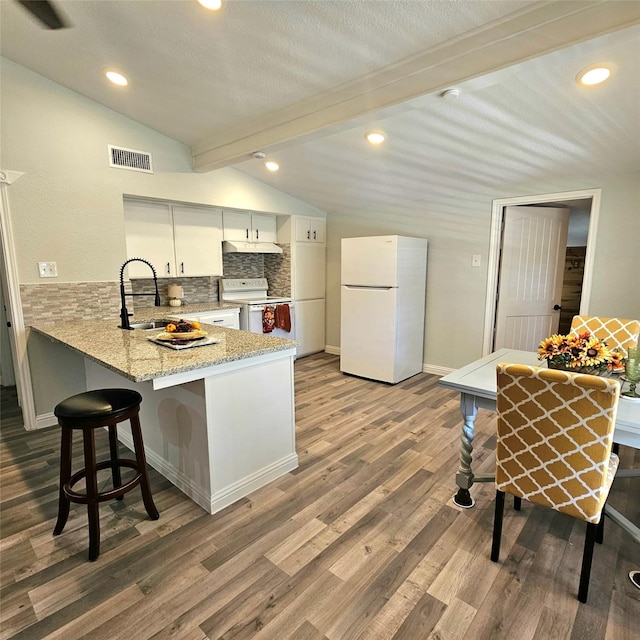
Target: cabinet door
(149,235)
(237,225)
(308,271)
(227,318)
(223,318)
(310,326)
(310,230)
(264,228)
(317,231)
(198,240)
(302,230)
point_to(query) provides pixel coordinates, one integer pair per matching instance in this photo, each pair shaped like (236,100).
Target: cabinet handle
(314,235)
(182,267)
(247,230)
(257,234)
(308,235)
(168,269)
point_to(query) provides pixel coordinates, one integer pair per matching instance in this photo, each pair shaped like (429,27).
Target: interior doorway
(7,373)
(578,264)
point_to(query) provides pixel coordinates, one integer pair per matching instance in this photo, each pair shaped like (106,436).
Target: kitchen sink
(151,325)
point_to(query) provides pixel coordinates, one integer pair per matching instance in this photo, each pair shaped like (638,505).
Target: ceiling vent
(130,159)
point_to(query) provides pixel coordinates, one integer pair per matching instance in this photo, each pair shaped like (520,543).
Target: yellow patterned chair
(554,443)
(618,333)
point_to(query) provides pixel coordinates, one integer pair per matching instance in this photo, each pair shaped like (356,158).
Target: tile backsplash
(69,301)
(92,300)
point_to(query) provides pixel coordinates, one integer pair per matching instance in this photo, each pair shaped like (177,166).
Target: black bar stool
(89,411)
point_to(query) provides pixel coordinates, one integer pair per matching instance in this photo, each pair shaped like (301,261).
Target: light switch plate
(48,269)
(476,259)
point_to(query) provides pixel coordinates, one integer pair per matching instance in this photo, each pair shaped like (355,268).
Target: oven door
(254,313)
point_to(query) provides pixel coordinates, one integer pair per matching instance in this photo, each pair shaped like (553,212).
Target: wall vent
(130,159)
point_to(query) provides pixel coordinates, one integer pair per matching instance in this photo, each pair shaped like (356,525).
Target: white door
(310,326)
(309,263)
(237,225)
(368,332)
(370,261)
(7,339)
(149,235)
(265,228)
(534,243)
(198,240)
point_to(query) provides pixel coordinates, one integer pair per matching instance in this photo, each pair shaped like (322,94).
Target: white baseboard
(436,369)
(45,420)
(212,503)
(228,495)
(426,368)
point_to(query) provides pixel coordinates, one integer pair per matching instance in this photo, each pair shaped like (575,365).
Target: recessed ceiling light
(375,137)
(117,78)
(595,74)
(213,5)
(271,165)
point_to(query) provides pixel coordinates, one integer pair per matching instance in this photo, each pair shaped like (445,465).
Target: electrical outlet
(475,260)
(48,269)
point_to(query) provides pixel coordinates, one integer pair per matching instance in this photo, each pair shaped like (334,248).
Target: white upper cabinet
(149,235)
(178,240)
(197,234)
(309,229)
(245,226)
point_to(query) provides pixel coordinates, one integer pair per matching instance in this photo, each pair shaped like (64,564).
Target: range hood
(234,246)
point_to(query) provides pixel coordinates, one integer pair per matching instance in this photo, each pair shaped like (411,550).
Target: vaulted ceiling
(303,81)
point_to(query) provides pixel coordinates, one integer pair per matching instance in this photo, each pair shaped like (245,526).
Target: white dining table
(477,385)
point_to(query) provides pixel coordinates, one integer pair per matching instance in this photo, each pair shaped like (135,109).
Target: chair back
(555,432)
(618,333)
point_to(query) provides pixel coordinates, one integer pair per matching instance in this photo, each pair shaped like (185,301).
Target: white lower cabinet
(229,318)
(310,326)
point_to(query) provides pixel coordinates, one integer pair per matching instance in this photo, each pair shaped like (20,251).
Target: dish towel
(268,318)
(283,317)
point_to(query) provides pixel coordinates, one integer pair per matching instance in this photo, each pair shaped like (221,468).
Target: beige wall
(68,208)
(456,292)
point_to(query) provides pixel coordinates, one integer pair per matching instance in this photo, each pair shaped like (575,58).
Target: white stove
(251,294)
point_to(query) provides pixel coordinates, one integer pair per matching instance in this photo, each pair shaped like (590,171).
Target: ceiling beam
(537,29)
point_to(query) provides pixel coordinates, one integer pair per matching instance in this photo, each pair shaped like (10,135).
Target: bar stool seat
(86,412)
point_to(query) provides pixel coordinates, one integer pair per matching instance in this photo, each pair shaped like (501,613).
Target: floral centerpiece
(581,353)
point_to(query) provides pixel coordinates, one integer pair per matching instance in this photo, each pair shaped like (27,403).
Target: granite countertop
(132,355)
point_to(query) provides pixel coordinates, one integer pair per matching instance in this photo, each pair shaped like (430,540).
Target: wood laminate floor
(361,542)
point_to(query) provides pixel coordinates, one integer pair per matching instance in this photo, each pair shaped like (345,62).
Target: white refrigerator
(383,290)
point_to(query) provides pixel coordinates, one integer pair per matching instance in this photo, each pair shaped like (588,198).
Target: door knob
(556,307)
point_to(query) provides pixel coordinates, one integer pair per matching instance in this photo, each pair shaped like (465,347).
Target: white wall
(456,291)
(68,206)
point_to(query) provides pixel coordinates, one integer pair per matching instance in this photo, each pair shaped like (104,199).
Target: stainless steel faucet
(124,314)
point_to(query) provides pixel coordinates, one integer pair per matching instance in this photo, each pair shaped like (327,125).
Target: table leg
(464,477)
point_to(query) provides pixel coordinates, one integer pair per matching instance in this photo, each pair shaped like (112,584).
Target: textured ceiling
(304,80)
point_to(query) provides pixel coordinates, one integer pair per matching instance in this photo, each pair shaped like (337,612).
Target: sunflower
(593,353)
(617,361)
(550,347)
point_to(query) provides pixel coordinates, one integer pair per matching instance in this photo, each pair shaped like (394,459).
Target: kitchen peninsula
(218,420)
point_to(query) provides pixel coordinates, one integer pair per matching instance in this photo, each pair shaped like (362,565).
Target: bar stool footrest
(103,496)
